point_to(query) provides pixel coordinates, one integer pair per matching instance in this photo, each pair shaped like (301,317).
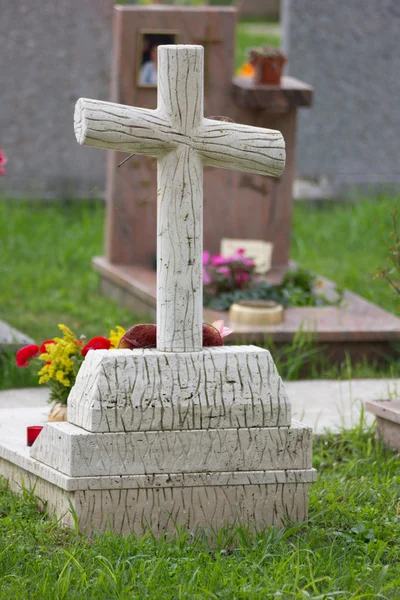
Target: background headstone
(349,52)
(51,53)
(257,8)
(11,338)
(236,205)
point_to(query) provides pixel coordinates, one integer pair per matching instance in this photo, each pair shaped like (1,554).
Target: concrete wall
(52,52)
(350,53)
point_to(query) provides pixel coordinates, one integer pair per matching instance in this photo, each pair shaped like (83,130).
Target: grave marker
(177,435)
(236,205)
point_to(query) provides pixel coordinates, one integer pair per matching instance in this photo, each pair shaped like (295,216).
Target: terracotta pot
(58,412)
(268,70)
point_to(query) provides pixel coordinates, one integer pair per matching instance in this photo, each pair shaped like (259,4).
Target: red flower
(25,355)
(139,336)
(211,336)
(96,343)
(145,336)
(43,348)
(3,161)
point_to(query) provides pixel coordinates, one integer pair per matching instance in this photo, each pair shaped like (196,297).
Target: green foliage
(390,274)
(348,550)
(45,269)
(296,289)
(13,377)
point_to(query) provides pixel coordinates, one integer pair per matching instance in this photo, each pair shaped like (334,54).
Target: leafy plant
(225,274)
(265,51)
(297,289)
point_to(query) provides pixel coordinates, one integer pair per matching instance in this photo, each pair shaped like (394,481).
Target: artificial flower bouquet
(61,357)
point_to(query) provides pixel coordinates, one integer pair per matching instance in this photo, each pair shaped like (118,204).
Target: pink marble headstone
(236,205)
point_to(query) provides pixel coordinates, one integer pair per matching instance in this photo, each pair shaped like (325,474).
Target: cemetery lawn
(350,548)
(46,275)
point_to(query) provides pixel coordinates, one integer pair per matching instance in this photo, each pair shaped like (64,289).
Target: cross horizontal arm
(241,147)
(124,128)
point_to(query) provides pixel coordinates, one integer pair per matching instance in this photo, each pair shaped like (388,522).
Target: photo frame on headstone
(148,42)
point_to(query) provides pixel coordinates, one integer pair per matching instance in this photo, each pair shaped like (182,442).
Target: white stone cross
(183,141)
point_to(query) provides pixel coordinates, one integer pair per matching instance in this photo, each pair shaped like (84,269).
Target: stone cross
(183,141)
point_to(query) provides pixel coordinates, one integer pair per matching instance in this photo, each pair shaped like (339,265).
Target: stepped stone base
(247,464)
(132,504)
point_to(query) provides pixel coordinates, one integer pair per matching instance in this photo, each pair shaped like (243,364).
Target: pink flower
(225,271)
(220,327)
(242,277)
(206,257)
(218,260)
(3,161)
(206,277)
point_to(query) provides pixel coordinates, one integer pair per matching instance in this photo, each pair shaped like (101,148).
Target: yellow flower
(246,70)
(62,359)
(115,336)
(68,335)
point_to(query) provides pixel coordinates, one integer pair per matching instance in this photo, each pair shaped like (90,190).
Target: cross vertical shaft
(182,140)
(180,203)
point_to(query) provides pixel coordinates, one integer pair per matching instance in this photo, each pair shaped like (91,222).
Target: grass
(46,251)
(347,242)
(46,274)
(350,549)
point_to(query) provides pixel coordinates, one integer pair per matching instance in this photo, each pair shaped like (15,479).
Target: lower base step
(134,504)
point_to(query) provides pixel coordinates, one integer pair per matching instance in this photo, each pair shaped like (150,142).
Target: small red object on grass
(32,433)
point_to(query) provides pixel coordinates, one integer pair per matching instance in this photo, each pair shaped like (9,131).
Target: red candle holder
(32,433)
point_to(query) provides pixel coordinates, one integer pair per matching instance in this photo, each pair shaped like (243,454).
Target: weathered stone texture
(349,53)
(77,453)
(260,500)
(52,53)
(230,471)
(148,390)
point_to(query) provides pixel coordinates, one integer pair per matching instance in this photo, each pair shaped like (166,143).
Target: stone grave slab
(11,338)
(181,434)
(387,413)
(358,327)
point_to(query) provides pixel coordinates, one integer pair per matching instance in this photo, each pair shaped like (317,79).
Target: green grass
(348,244)
(45,269)
(350,549)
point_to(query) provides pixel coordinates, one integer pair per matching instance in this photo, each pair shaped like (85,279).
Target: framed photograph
(148,42)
